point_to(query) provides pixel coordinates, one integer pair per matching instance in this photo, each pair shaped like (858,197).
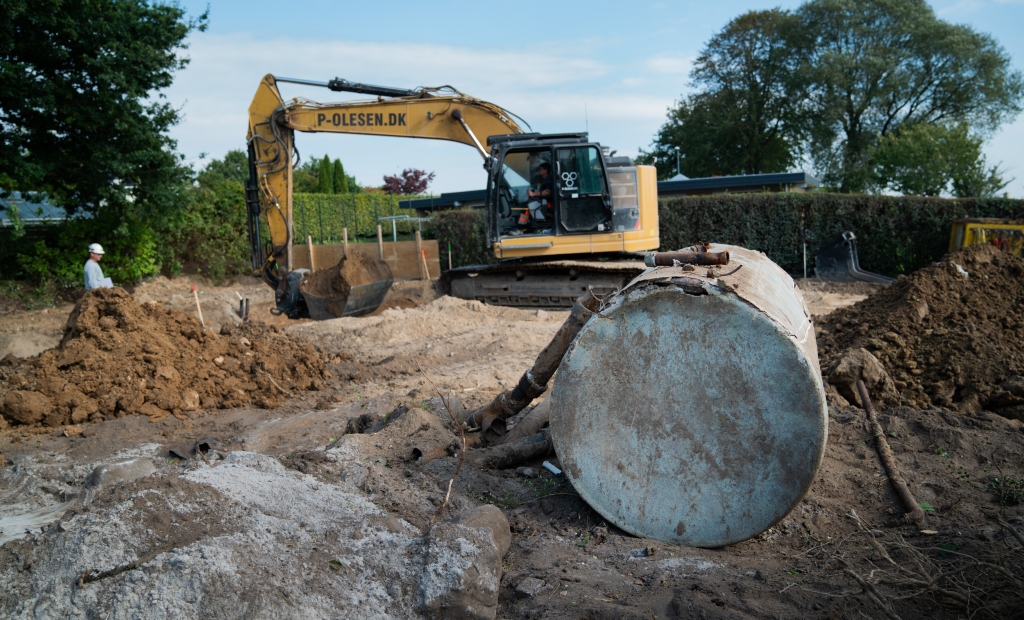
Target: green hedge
(895,234)
(466,231)
(323,216)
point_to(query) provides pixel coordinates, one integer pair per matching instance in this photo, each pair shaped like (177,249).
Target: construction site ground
(314,508)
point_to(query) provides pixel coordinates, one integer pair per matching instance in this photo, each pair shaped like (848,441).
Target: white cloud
(669,64)
(215,90)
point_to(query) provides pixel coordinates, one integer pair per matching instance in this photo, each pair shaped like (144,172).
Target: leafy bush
(466,231)
(894,234)
(58,260)
(211,237)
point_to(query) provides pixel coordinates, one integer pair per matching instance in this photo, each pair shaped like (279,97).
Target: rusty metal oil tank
(690,409)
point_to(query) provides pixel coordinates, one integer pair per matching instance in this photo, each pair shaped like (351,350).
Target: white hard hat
(95,248)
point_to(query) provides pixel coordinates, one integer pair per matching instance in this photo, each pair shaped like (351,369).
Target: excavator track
(540,284)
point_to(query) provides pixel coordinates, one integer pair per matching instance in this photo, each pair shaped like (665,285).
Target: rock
(489,517)
(26,407)
(120,471)
(155,413)
(86,407)
(529,587)
(542,315)
(168,372)
(190,400)
(463,567)
(854,364)
(527,472)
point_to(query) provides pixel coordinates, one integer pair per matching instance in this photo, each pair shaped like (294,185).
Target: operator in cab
(93,274)
(540,205)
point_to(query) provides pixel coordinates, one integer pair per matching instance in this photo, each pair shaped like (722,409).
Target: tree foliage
(743,121)
(931,160)
(340,180)
(868,67)
(833,80)
(325,177)
(78,116)
(411,181)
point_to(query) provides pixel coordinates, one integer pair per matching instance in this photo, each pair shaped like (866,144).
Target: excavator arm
(433,113)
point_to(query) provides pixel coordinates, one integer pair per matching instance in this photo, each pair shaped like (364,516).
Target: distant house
(33,210)
(748,183)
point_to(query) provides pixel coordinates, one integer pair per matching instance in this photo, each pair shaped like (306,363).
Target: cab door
(584,202)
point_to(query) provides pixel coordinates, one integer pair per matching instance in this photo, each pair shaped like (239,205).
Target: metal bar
(685,257)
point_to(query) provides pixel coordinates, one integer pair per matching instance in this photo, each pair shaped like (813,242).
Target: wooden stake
(380,242)
(419,251)
(344,238)
(199,309)
(309,245)
(914,512)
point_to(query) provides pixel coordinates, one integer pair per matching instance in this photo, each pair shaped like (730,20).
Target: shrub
(466,231)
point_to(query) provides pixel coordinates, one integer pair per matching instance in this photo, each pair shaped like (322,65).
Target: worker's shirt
(93,275)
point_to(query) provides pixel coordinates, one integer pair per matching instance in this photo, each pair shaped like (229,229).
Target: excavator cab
(557,185)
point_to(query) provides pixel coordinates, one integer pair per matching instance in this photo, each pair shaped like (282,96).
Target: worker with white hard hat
(93,274)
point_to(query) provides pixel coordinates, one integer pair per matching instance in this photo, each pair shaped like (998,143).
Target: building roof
(746,182)
(33,209)
(778,181)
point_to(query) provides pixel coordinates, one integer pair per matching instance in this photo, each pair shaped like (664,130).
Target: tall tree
(325,178)
(340,180)
(81,117)
(867,67)
(234,167)
(743,121)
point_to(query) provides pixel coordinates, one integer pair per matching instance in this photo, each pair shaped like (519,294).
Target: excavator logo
(361,119)
(569,178)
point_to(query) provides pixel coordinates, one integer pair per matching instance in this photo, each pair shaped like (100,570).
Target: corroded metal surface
(691,408)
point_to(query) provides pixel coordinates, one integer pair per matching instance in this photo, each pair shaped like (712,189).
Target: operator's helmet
(95,248)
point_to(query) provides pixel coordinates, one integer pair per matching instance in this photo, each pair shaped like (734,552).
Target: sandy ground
(341,534)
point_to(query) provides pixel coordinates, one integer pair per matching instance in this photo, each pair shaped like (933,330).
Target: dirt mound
(353,270)
(948,335)
(118,357)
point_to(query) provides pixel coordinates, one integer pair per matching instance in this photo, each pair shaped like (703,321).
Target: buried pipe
(508,455)
(490,418)
(530,425)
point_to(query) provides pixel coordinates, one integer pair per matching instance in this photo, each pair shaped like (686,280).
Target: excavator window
(526,194)
(584,201)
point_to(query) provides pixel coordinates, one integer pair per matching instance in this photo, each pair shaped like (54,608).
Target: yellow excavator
(562,213)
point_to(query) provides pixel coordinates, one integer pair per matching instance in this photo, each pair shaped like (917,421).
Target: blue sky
(612,68)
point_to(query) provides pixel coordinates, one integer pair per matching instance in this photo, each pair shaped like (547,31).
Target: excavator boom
(433,113)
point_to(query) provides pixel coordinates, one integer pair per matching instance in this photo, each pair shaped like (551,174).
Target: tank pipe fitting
(535,381)
(685,257)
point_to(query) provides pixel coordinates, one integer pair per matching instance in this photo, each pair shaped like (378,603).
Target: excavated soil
(353,270)
(118,357)
(328,518)
(948,335)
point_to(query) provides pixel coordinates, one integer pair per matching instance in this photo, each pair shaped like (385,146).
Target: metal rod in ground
(380,242)
(914,512)
(491,417)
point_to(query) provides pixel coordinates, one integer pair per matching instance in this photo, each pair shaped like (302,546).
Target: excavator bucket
(838,262)
(355,286)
